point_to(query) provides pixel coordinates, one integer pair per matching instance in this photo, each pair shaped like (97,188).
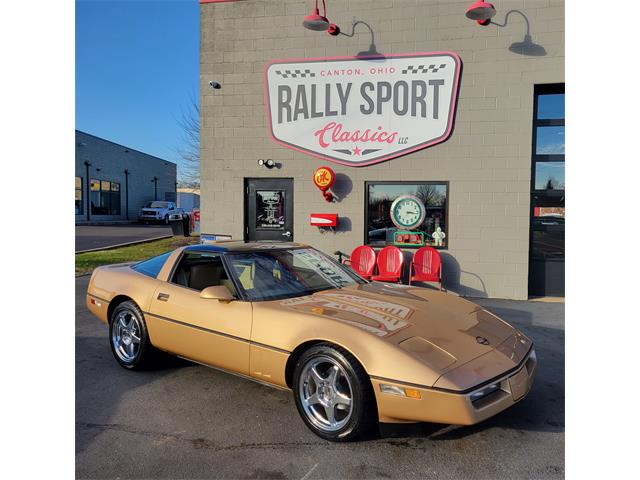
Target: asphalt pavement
(183,420)
(101,236)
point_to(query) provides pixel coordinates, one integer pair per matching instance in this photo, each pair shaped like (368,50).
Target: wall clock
(407,211)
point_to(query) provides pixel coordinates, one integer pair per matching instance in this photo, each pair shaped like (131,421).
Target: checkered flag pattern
(423,68)
(296,73)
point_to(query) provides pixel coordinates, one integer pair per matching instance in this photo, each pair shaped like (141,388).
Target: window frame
(181,258)
(81,190)
(367,183)
(108,193)
(539,90)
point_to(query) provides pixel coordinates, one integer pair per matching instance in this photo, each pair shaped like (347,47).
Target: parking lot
(187,421)
(102,236)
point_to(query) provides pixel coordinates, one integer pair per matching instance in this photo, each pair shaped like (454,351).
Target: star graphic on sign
(356,151)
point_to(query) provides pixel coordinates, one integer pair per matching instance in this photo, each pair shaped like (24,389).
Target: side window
(152,266)
(199,270)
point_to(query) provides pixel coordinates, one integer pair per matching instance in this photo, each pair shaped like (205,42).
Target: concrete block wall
(487,159)
(113,159)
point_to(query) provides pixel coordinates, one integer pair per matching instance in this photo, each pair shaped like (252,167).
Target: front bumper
(442,406)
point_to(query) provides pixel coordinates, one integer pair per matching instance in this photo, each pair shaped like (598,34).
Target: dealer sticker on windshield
(362,110)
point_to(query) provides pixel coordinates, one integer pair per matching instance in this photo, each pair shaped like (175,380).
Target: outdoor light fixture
(527,46)
(269,163)
(481,12)
(320,23)
(315,21)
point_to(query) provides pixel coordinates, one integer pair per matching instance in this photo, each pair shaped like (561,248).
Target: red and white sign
(323,219)
(362,110)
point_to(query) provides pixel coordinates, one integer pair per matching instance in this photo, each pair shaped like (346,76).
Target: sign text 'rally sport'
(358,110)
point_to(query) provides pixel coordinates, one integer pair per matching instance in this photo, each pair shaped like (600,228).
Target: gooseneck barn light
(315,21)
(481,12)
(320,23)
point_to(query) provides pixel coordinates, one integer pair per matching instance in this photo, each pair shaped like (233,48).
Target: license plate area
(518,384)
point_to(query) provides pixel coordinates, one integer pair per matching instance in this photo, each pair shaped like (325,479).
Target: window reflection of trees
(433,196)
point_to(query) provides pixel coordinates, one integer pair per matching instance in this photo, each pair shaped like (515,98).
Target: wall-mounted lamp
(320,23)
(481,12)
(215,85)
(269,163)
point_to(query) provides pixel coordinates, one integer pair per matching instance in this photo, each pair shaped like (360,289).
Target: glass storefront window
(380,196)
(549,176)
(105,197)
(79,202)
(550,140)
(551,106)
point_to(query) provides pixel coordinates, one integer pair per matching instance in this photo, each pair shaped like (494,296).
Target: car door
(205,330)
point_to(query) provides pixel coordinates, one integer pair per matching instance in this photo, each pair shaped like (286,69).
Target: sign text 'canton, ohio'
(358,110)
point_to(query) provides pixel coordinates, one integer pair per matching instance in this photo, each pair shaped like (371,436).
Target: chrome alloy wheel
(326,393)
(125,336)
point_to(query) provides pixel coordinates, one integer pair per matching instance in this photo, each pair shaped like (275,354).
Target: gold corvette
(353,352)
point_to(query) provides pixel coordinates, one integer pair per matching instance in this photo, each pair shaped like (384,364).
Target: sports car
(353,352)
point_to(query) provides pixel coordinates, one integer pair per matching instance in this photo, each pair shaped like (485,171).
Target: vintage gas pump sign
(362,110)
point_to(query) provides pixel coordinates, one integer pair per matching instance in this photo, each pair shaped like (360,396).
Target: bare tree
(189,175)
(430,195)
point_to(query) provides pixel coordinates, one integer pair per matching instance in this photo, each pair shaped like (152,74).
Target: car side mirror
(217,292)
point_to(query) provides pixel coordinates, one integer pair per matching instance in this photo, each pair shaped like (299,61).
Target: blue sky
(137,70)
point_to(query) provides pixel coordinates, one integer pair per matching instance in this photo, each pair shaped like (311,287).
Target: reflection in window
(105,197)
(549,176)
(551,107)
(550,140)
(380,196)
(152,266)
(548,243)
(79,203)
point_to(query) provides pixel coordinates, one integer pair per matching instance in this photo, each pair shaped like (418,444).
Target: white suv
(157,211)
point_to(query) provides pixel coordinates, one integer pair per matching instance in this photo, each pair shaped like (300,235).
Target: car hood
(440,329)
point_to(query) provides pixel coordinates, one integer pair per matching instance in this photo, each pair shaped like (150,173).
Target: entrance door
(268,209)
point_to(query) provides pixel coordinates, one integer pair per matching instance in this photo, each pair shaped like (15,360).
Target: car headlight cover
(483,392)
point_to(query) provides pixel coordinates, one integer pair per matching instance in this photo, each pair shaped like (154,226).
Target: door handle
(163,297)
(286,234)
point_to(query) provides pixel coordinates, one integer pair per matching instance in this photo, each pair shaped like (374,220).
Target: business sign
(362,110)
(324,178)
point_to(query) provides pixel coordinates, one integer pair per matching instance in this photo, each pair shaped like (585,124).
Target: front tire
(166,219)
(333,394)
(129,338)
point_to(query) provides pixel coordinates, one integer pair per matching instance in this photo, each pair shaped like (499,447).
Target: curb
(135,242)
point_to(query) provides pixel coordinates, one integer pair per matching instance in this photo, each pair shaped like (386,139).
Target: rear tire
(333,394)
(129,338)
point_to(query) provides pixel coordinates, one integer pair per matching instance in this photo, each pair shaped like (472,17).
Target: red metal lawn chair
(389,262)
(362,261)
(426,266)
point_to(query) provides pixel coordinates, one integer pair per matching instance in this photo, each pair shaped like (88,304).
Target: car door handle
(163,297)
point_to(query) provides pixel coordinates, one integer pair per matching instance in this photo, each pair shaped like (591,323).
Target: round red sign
(323,178)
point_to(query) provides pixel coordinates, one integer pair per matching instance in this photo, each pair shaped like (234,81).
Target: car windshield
(286,273)
(157,205)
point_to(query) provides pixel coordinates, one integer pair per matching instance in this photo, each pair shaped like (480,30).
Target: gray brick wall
(487,160)
(112,159)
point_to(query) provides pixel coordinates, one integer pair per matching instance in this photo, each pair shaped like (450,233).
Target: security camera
(215,84)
